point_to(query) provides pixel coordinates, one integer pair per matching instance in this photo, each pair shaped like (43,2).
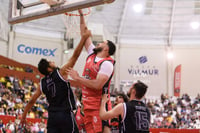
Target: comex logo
(38,51)
(142,59)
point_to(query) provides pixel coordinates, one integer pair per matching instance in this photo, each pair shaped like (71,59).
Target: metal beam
(55,10)
(122,20)
(171,23)
(33,4)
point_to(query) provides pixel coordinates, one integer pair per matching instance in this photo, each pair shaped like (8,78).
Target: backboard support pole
(54,10)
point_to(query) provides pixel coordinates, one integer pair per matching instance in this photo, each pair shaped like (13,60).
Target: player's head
(111,47)
(46,67)
(120,98)
(138,90)
(107,46)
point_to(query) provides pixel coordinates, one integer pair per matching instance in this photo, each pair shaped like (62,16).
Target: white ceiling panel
(158,19)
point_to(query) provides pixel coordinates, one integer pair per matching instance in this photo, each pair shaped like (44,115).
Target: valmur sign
(21,48)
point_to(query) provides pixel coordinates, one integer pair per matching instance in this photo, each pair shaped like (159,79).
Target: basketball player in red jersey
(97,74)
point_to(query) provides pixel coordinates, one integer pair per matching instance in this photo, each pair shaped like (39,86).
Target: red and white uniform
(92,98)
(80,119)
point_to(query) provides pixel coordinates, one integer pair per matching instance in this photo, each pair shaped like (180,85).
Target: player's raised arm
(76,52)
(82,27)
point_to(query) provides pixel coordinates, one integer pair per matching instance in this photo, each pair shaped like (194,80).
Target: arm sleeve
(106,68)
(90,49)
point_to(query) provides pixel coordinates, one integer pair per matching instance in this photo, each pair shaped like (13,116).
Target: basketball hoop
(72,22)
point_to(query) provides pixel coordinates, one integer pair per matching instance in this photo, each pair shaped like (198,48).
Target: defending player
(135,115)
(56,87)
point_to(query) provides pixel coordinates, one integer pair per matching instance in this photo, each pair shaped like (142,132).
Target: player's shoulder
(136,102)
(107,62)
(107,65)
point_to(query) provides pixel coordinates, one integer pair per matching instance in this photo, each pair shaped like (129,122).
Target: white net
(72,22)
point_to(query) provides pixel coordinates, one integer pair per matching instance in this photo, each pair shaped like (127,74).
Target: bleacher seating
(11,68)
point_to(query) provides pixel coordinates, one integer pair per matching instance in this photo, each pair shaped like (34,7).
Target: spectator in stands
(42,126)
(2,126)
(56,87)
(28,69)
(2,111)
(11,67)
(1,87)
(10,126)
(3,81)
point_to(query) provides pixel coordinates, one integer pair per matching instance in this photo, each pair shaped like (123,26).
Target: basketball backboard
(27,10)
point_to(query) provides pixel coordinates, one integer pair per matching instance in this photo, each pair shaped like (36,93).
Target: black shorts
(61,122)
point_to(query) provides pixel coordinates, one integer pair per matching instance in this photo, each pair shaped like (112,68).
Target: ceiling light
(66,51)
(194,25)
(138,8)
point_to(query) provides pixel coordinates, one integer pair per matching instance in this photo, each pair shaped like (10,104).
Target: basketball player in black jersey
(135,115)
(56,87)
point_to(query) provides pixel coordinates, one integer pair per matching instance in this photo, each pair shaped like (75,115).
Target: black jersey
(58,92)
(136,117)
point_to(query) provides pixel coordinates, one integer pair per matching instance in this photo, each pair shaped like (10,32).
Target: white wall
(4,29)
(80,63)
(155,62)
(189,58)
(22,44)
(3,48)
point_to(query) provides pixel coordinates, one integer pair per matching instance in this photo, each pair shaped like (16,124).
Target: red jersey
(92,98)
(80,119)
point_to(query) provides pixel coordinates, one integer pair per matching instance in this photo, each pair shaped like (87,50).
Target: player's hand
(105,98)
(73,74)
(23,122)
(80,12)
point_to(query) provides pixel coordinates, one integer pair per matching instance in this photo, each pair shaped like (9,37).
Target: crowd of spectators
(14,95)
(25,69)
(15,127)
(175,112)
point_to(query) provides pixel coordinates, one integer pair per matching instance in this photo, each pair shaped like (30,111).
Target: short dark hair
(140,88)
(111,46)
(42,67)
(125,98)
